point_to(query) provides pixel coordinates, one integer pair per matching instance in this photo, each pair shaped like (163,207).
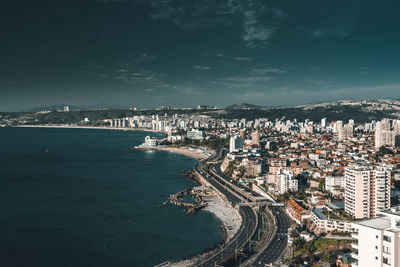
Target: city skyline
(124,53)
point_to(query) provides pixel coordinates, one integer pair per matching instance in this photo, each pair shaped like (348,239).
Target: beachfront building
(367,190)
(150,141)
(196,134)
(378,240)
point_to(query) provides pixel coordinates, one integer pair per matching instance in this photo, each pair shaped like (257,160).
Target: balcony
(354,245)
(354,235)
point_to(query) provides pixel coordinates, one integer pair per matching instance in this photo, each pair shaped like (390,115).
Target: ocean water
(77,197)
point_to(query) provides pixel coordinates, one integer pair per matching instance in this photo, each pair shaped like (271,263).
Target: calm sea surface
(77,197)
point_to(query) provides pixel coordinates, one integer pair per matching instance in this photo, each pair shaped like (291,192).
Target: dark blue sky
(147,53)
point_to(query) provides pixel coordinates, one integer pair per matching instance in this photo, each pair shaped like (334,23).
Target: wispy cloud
(189,15)
(188,90)
(202,68)
(243,58)
(333,27)
(256,34)
(316,82)
(262,70)
(242,81)
(142,77)
(145,57)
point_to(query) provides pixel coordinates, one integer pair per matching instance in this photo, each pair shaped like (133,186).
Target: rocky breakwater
(197,204)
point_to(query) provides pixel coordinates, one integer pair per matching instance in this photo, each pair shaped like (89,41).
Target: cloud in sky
(202,68)
(255,34)
(189,15)
(202,50)
(333,27)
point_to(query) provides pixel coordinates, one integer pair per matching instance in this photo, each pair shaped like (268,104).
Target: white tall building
(337,125)
(286,183)
(383,135)
(323,123)
(378,240)
(367,190)
(235,143)
(345,132)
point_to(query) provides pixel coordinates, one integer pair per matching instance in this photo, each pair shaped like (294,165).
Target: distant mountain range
(360,111)
(244,106)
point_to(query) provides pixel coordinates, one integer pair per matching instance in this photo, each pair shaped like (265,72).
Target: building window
(387,238)
(376,247)
(386,250)
(376,236)
(386,261)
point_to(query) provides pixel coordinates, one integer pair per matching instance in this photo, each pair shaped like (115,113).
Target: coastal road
(275,249)
(246,230)
(236,194)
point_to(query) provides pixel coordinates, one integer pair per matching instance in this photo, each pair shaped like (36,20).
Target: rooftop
(320,215)
(336,205)
(380,223)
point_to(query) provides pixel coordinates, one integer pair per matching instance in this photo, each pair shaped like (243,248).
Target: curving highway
(273,252)
(247,229)
(268,251)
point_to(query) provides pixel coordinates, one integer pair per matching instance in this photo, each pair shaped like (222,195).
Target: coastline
(67,126)
(184,151)
(229,219)
(230,223)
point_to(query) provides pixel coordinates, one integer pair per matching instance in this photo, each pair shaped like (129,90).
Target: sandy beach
(193,153)
(228,215)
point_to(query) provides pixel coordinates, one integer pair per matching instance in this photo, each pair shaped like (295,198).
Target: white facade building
(367,190)
(383,135)
(150,141)
(345,132)
(378,240)
(286,183)
(195,134)
(325,224)
(334,181)
(235,143)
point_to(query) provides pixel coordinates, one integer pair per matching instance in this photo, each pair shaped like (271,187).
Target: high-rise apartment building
(323,123)
(235,143)
(378,240)
(367,190)
(383,135)
(255,138)
(345,132)
(286,183)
